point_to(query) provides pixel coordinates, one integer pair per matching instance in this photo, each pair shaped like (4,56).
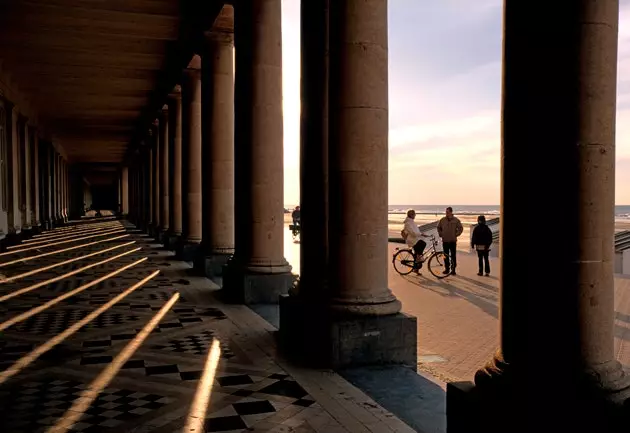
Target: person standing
(481,241)
(450,228)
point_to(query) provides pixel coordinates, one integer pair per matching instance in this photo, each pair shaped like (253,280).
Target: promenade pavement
(458,327)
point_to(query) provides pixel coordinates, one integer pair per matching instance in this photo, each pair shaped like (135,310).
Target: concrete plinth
(211,265)
(14,238)
(471,410)
(27,233)
(312,335)
(187,251)
(158,234)
(240,286)
(171,241)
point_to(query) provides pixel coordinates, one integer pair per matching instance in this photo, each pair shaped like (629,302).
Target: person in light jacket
(450,228)
(481,241)
(412,235)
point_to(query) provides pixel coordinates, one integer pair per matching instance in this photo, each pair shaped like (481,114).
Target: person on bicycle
(412,234)
(296,216)
(481,241)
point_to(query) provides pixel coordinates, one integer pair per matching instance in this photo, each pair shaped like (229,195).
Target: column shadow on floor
(413,398)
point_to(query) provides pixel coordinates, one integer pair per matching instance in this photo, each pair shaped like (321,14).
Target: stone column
(164,186)
(146,188)
(149,186)
(35,181)
(258,271)
(155,183)
(47,185)
(175,168)
(217,153)
(358,320)
(358,158)
(58,216)
(25,177)
(295,319)
(16,174)
(314,149)
(10,114)
(125,190)
(64,190)
(557,322)
(191,161)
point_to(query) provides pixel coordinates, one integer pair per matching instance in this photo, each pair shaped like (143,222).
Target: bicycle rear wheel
(403,262)
(437,265)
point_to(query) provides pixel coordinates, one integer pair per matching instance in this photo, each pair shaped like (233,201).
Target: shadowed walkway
(103,331)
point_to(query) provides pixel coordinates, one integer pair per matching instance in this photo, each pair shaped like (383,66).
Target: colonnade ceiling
(97,71)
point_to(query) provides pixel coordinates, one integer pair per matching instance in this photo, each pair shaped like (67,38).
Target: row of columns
(182,179)
(223,165)
(342,311)
(33,178)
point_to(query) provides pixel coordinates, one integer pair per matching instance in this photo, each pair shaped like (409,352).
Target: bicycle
(295,231)
(404,261)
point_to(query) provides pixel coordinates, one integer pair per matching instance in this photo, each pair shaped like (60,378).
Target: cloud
(444,101)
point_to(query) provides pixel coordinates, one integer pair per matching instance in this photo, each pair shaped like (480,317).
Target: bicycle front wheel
(437,265)
(403,262)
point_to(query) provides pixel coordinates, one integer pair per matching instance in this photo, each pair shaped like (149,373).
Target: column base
(158,235)
(162,238)
(37,229)
(171,241)
(312,335)
(187,251)
(470,409)
(243,287)
(14,238)
(211,265)
(27,233)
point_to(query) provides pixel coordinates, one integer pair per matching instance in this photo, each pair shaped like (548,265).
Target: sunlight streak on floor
(199,407)
(62,230)
(40,308)
(51,253)
(34,240)
(65,262)
(61,277)
(30,357)
(62,242)
(84,401)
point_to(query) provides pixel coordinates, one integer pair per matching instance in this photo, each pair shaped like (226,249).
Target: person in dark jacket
(481,241)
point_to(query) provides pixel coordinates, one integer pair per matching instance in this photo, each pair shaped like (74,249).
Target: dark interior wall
(104,197)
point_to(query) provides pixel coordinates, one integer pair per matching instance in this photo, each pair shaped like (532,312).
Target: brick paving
(458,328)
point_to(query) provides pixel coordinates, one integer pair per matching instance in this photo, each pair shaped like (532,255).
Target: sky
(444,101)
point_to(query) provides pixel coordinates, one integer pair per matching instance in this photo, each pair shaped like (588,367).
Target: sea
(622,213)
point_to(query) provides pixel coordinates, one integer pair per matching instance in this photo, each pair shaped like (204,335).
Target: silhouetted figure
(481,241)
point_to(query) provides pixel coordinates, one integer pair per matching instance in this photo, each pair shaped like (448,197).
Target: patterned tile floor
(76,343)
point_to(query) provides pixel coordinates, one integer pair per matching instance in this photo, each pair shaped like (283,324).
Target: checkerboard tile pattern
(37,404)
(154,389)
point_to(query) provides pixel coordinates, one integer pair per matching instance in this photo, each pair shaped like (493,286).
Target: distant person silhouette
(296,215)
(450,228)
(481,241)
